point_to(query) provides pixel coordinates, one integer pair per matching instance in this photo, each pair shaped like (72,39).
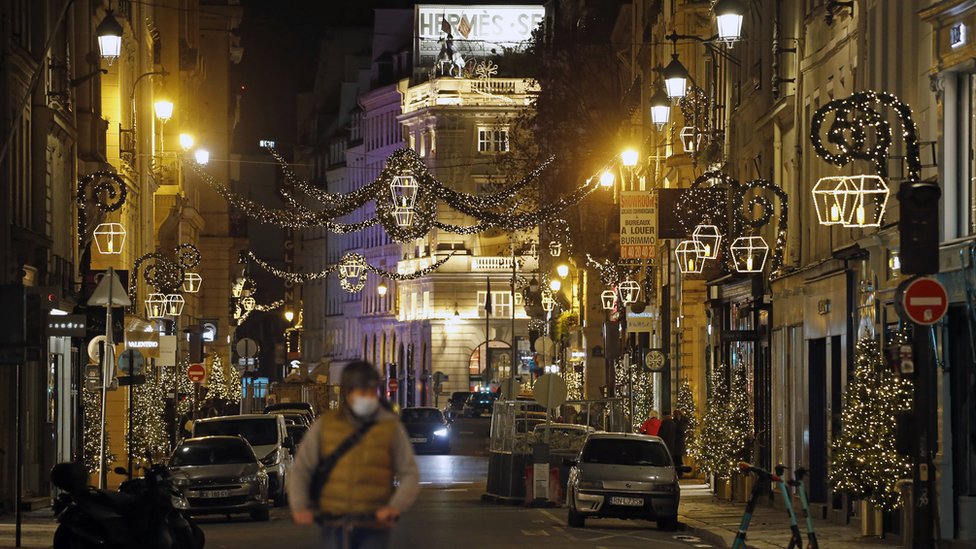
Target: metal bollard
(907,511)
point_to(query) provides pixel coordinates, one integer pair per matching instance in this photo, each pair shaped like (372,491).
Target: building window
(501,304)
(492,139)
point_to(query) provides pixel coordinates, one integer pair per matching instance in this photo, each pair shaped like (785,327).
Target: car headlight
(179,502)
(180,481)
(270,460)
(591,485)
(440,433)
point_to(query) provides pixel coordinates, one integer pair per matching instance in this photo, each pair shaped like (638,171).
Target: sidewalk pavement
(717,521)
(37,529)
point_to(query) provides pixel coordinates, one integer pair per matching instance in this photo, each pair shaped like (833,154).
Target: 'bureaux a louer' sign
(476,31)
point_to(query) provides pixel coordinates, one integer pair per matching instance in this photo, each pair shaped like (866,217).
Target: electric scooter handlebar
(759,472)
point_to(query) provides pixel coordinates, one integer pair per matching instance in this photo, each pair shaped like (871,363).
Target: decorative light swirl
(108,191)
(848,132)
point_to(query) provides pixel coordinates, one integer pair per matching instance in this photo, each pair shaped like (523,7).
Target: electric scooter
(761,477)
(801,490)
(796,540)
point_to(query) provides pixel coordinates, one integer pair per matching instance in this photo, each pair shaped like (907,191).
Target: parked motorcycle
(146,513)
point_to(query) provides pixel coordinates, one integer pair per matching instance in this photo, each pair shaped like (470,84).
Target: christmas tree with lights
(149,436)
(865,463)
(216,384)
(726,426)
(234,388)
(643,393)
(92,401)
(685,401)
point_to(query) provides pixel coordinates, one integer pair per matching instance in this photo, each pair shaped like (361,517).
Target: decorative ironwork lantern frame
(548,303)
(109,238)
(691,256)
(609,298)
(555,248)
(248,304)
(403,216)
(832,200)
(749,254)
(710,239)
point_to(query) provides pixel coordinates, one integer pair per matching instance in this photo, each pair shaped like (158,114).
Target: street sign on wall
(638,225)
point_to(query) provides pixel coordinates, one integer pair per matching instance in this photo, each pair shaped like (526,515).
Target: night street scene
(385,274)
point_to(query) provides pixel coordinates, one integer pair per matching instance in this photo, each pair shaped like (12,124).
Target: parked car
(292,406)
(478,404)
(455,404)
(267,434)
(623,475)
(427,428)
(563,438)
(293,416)
(220,475)
(297,433)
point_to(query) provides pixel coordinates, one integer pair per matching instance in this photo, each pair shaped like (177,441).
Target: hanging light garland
(349,265)
(165,275)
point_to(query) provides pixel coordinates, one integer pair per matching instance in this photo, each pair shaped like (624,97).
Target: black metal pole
(923,494)
(18,457)
(128,434)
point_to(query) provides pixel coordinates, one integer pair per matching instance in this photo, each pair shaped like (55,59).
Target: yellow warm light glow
(606,178)
(289,315)
(562,270)
(202,156)
(555,285)
(164,109)
(186,141)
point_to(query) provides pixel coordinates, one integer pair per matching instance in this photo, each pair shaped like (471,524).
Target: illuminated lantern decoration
(562,270)
(109,238)
(555,285)
(555,248)
(690,255)
(155,306)
(548,303)
(606,179)
(832,200)
(749,254)
(629,291)
(174,304)
(109,33)
(690,139)
(403,216)
(608,297)
(660,108)
(192,282)
(404,190)
(248,303)
(728,18)
(710,239)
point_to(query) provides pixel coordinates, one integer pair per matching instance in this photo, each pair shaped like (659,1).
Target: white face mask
(363,407)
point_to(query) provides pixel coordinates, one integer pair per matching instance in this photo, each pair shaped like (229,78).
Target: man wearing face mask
(367,448)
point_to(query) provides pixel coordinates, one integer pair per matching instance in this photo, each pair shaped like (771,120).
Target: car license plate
(215,493)
(418,439)
(627,502)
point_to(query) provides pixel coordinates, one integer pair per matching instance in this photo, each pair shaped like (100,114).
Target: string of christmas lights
(235,388)
(149,435)
(865,461)
(92,402)
(164,274)
(726,425)
(855,120)
(685,401)
(216,384)
(348,259)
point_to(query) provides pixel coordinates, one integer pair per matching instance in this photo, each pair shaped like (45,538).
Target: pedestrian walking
(681,430)
(345,468)
(668,431)
(651,425)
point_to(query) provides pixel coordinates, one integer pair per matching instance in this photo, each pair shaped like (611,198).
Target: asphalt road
(450,514)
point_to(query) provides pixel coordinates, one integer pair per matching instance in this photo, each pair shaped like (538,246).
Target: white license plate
(418,439)
(214,493)
(627,502)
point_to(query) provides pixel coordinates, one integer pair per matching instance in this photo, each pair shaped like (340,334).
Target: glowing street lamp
(202,156)
(562,270)
(164,110)
(555,285)
(660,108)
(186,141)
(606,179)
(109,33)
(382,288)
(289,315)
(675,78)
(629,158)
(728,17)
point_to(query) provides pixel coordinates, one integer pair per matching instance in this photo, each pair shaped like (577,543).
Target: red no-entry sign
(394,384)
(196,373)
(923,300)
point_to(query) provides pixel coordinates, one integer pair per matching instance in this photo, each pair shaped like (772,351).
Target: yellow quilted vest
(362,480)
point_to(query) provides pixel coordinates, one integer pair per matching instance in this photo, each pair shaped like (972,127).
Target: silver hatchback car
(623,475)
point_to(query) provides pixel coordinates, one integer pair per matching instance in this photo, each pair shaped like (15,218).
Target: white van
(267,434)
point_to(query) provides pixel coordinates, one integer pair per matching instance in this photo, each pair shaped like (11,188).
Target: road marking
(534,532)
